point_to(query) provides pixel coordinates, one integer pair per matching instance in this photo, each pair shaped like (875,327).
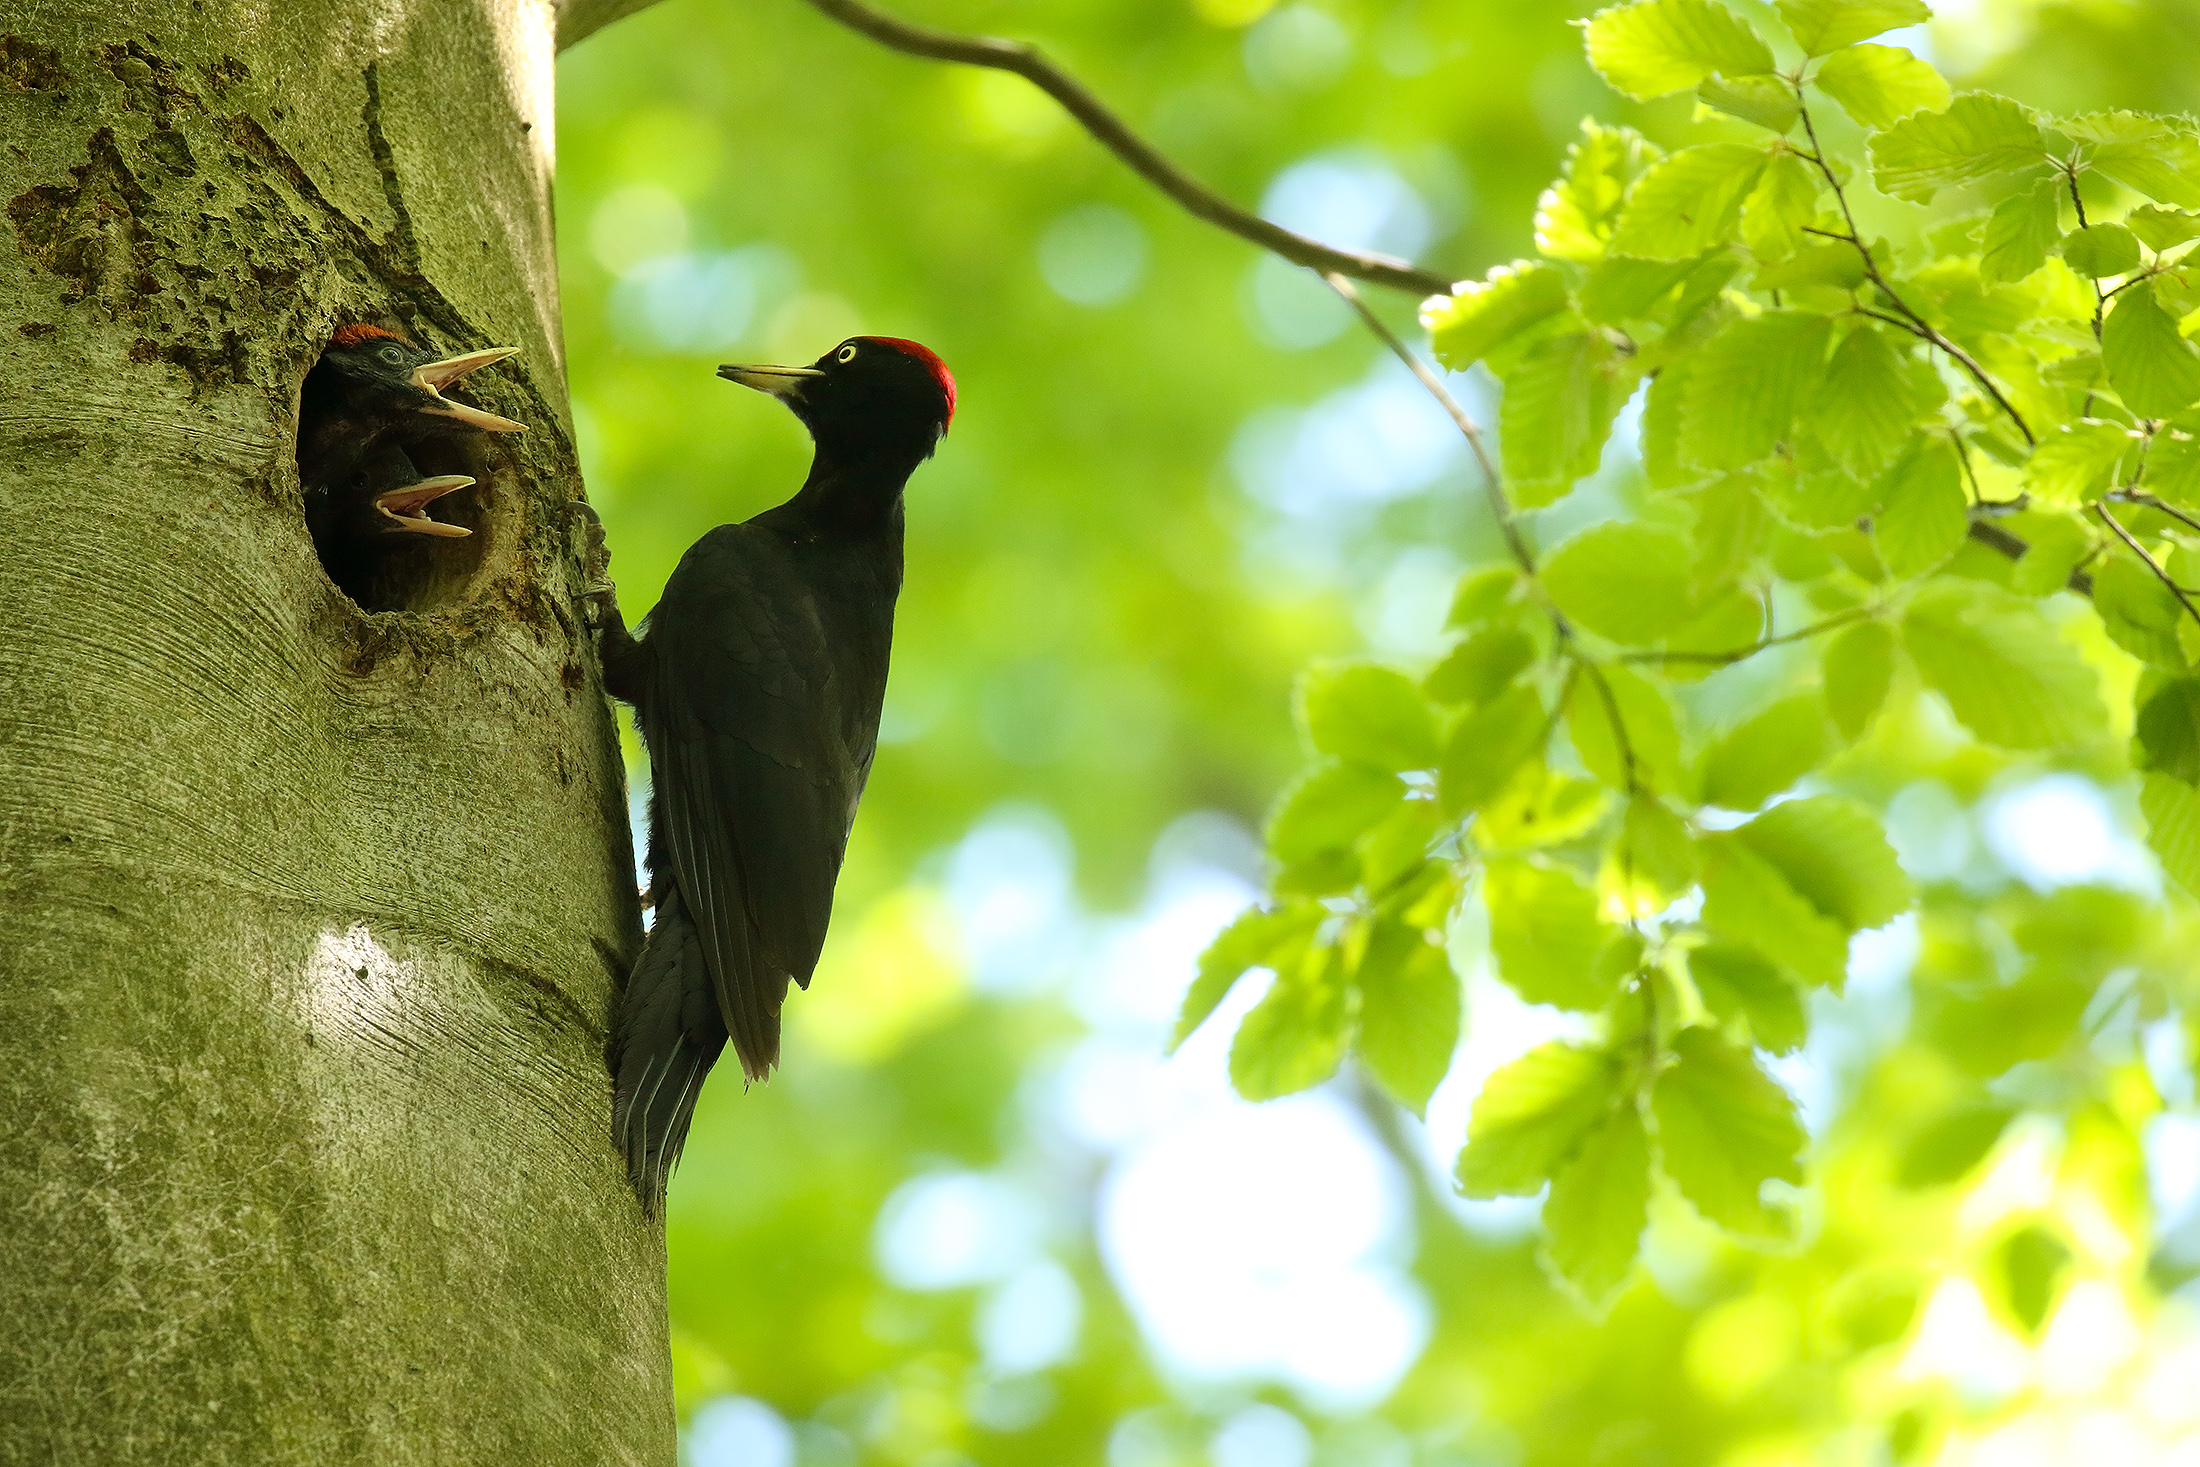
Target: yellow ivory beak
(407,507)
(433,377)
(781,382)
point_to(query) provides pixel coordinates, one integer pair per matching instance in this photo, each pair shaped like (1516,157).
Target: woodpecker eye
(846,353)
(392,355)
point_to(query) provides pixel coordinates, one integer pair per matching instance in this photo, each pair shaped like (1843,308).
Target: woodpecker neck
(854,497)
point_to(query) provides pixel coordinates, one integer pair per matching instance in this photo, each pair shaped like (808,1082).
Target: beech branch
(1026,61)
(1492,484)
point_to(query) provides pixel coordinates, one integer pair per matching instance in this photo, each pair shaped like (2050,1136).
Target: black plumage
(757,682)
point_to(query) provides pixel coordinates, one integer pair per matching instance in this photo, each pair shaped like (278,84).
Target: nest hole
(410,571)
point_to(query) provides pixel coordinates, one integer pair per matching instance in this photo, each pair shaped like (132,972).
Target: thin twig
(1026,61)
(2100,297)
(2147,501)
(1801,634)
(1625,745)
(1922,326)
(1963,456)
(1491,483)
(2151,563)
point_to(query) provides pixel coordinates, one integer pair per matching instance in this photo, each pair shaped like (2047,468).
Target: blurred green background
(977,1218)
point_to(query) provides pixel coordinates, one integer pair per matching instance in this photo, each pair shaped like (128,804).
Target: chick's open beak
(433,377)
(784,383)
(407,509)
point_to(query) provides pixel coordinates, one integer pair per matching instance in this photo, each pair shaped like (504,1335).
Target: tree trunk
(310,917)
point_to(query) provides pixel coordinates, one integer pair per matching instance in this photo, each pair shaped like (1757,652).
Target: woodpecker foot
(598,594)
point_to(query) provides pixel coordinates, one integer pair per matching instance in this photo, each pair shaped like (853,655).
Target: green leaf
(1622,579)
(1689,202)
(1858,667)
(2101,249)
(1784,202)
(1648,732)
(2162,229)
(1926,518)
(2153,368)
(1746,899)
(1258,937)
(1329,808)
(1979,136)
(1486,746)
(1767,754)
(1725,1128)
(1598,1204)
(2138,612)
(2032,1262)
(1656,47)
(1838,266)
(1557,410)
(1766,101)
(2076,463)
(1545,934)
(1481,594)
(1481,667)
(2007,676)
(1398,845)
(1294,1037)
(1368,715)
(2173,468)
(1867,407)
(2172,808)
(1878,84)
(2059,542)
(2158,156)
(1574,217)
(1482,314)
(1834,854)
(2021,231)
(1736,983)
(1746,385)
(1539,808)
(1947,1149)
(1531,1117)
(1409,1013)
(1622,288)
(2168,729)
(1653,858)
(1820,26)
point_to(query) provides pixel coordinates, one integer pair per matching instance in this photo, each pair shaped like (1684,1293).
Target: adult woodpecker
(757,682)
(370,396)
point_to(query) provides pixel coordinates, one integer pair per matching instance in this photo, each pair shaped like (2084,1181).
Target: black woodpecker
(370,397)
(757,682)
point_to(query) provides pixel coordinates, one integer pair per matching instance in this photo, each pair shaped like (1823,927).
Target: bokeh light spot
(1094,255)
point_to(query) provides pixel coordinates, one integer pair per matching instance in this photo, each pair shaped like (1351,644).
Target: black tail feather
(667,1037)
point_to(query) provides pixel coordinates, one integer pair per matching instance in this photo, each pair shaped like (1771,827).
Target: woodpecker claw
(407,508)
(433,377)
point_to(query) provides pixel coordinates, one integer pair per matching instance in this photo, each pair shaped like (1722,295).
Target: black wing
(754,782)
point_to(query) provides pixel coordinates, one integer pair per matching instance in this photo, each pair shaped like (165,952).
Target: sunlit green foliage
(1846,407)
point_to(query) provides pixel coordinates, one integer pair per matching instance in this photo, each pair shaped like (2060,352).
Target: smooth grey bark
(309,918)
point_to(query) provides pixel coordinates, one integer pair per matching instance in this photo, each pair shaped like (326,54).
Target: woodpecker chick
(372,387)
(757,683)
(380,508)
(386,498)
